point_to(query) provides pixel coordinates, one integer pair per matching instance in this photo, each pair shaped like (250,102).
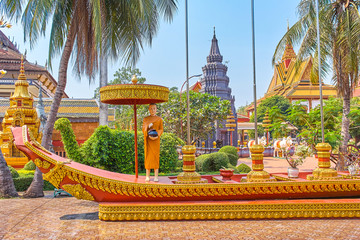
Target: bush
(110,149)
(23,183)
(30,166)
(199,162)
(229,149)
(233,159)
(243,168)
(14,173)
(168,153)
(215,161)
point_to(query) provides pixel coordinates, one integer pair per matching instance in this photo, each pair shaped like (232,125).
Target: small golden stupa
(21,112)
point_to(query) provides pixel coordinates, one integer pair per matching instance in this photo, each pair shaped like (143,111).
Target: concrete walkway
(69,218)
(278,165)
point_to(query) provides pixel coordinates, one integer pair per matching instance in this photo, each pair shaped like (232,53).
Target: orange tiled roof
(69,108)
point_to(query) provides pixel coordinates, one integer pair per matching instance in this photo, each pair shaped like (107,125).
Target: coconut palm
(7,188)
(339,37)
(84,29)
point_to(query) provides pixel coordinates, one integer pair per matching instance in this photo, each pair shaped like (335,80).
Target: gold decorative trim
(78,191)
(140,92)
(42,164)
(262,210)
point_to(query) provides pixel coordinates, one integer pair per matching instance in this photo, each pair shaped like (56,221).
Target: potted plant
(301,152)
(226,173)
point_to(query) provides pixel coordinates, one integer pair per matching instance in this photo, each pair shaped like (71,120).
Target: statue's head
(152,109)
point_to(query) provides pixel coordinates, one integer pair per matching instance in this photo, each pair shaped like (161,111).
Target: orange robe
(152,147)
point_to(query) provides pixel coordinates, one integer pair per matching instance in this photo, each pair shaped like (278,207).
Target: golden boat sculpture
(89,183)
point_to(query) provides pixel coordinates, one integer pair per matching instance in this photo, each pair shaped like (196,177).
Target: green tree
(280,102)
(339,36)
(205,110)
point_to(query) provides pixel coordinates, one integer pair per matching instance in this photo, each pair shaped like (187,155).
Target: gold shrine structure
(293,82)
(21,112)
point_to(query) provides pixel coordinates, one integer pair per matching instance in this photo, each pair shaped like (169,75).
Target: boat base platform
(214,210)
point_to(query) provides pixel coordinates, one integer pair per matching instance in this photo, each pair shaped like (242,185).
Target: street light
(188,116)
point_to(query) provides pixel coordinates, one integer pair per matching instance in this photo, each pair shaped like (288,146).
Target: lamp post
(189,175)
(323,171)
(187,101)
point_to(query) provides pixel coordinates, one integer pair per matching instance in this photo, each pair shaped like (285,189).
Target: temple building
(215,82)
(23,91)
(294,84)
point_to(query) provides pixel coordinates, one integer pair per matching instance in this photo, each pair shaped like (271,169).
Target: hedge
(23,183)
(30,166)
(233,159)
(243,168)
(229,149)
(215,161)
(14,173)
(199,162)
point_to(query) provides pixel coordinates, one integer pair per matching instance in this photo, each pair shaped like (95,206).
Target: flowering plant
(301,152)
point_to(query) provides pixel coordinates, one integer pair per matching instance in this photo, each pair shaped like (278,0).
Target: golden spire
(289,52)
(21,85)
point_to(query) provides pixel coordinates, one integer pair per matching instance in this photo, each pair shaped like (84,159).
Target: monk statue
(152,129)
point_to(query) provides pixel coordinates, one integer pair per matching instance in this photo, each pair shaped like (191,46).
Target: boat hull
(94,184)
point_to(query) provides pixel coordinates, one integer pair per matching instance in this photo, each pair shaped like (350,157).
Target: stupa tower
(216,82)
(21,112)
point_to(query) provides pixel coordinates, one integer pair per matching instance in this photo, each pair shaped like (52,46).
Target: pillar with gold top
(257,174)
(189,175)
(266,124)
(230,125)
(323,171)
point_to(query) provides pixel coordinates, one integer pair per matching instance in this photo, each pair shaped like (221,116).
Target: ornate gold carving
(42,164)
(228,211)
(55,175)
(140,92)
(78,191)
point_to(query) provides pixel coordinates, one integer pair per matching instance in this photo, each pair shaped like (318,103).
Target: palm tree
(7,187)
(339,37)
(81,26)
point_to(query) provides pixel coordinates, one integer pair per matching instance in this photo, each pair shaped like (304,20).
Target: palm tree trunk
(36,187)
(103,111)
(7,188)
(345,135)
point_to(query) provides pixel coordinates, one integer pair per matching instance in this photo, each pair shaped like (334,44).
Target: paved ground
(69,218)
(276,165)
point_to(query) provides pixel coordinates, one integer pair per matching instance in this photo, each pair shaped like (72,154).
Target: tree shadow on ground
(82,216)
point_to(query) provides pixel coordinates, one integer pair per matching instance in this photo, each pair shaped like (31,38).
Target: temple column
(189,175)
(258,174)
(323,171)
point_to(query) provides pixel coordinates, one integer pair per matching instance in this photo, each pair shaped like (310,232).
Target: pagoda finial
(22,69)
(288,25)
(214,32)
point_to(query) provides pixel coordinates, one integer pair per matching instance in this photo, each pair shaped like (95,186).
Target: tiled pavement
(69,218)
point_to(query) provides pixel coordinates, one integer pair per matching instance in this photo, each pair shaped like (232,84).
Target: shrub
(71,146)
(168,153)
(14,173)
(110,149)
(30,165)
(243,168)
(215,161)
(26,173)
(23,183)
(199,162)
(233,159)
(229,149)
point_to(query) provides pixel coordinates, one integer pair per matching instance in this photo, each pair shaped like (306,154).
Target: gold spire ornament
(21,112)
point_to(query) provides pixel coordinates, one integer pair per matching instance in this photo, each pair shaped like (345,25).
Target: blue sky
(164,62)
